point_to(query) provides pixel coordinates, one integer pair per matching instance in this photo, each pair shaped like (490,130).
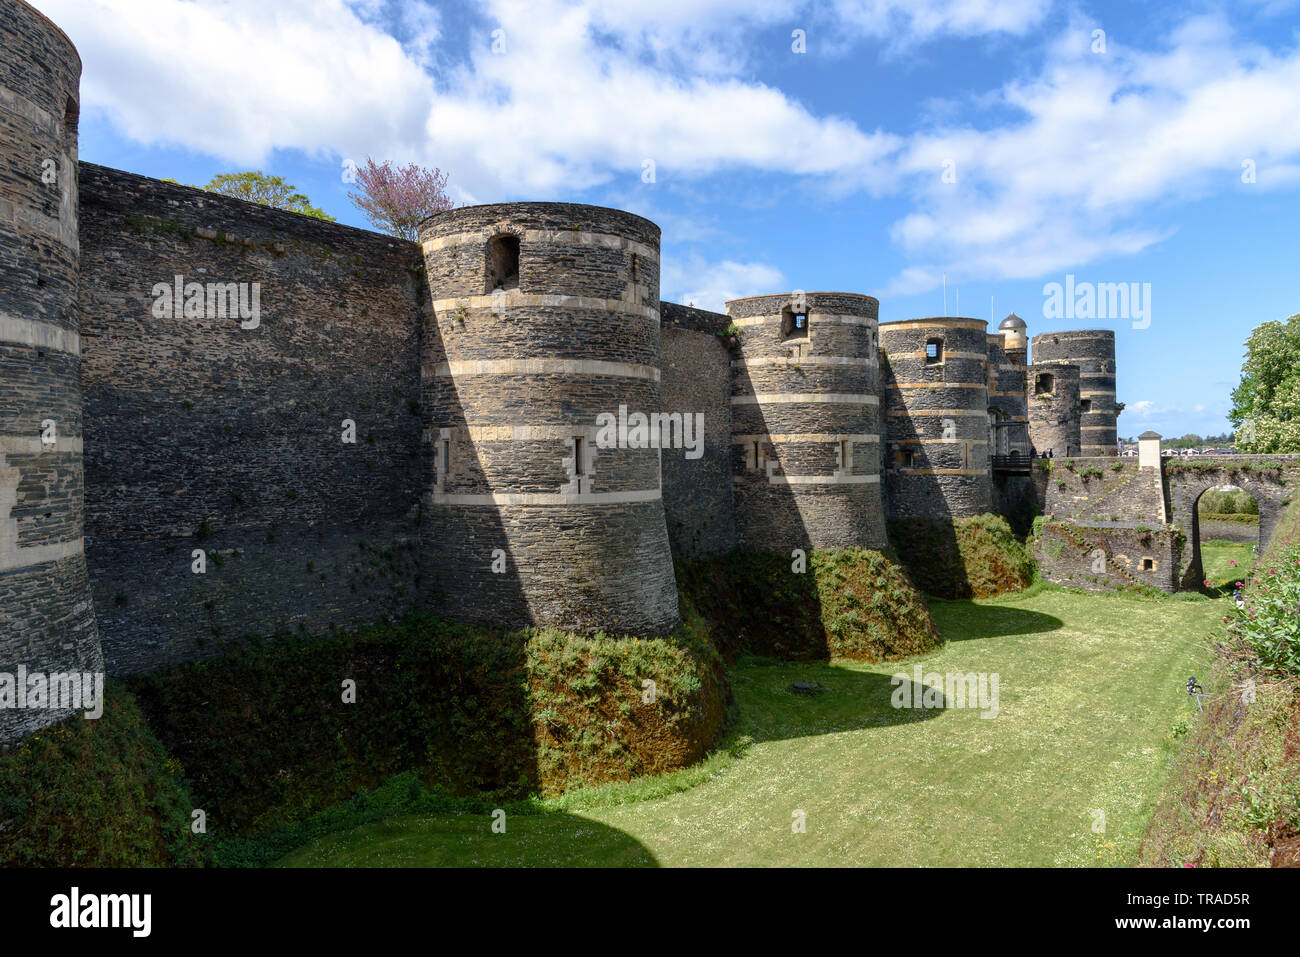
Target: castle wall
(47,622)
(1093,351)
(1053,399)
(936,408)
(805,422)
(1103,489)
(521,358)
(1008,402)
(203,434)
(1100,557)
(697,492)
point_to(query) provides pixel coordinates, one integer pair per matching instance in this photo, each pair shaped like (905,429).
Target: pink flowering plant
(396,200)
(1269,622)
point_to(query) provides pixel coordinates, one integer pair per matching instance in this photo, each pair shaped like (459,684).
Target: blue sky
(1004,144)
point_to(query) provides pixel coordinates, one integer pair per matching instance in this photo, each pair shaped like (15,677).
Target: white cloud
(709,285)
(1098,140)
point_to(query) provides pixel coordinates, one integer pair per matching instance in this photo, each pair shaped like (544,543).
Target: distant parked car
(1129,452)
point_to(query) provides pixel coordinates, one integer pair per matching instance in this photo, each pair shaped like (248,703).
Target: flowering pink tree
(398,200)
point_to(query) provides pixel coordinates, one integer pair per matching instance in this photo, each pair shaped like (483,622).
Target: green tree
(1266,405)
(254,186)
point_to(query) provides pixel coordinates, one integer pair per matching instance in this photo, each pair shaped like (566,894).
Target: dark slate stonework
(804,401)
(201,434)
(1093,351)
(1104,489)
(1053,398)
(47,621)
(947,474)
(1102,557)
(521,355)
(697,492)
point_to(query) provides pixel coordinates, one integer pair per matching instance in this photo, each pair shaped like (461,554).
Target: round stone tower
(805,421)
(543,423)
(1093,351)
(936,417)
(1054,409)
(47,623)
(1008,401)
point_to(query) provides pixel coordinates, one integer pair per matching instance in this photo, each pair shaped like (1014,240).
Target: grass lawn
(1089,688)
(1217,558)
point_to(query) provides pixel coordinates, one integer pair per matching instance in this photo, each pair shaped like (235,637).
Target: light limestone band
(26,445)
(543,235)
(546,498)
(801,361)
(795,437)
(943,385)
(818,317)
(512,299)
(822,479)
(980,413)
(14,556)
(42,335)
(778,398)
(545,367)
(946,355)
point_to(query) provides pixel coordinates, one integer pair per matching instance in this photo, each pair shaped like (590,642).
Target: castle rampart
(936,417)
(47,622)
(1093,351)
(1054,409)
(805,424)
(227,435)
(545,318)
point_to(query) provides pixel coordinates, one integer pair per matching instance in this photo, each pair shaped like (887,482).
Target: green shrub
(974,557)
(851,603)
(267,737)
(96,793)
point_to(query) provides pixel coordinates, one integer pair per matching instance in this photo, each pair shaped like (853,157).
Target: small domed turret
(1014,337)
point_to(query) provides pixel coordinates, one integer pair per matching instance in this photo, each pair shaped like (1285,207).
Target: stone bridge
(1271,479)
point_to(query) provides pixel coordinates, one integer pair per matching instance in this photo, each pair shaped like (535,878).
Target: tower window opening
(933,351)
(907,459)
(1085,405)
(846,456)
(794,324)
(1044,383)
(502,263)
(1148,564)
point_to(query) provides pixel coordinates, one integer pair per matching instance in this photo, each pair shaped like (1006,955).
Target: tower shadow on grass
(549,839)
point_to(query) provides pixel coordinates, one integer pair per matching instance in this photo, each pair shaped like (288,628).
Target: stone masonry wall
(203,434)
(1093,351)
(805,410)
(697,492)
(47,622)
(936,413)
(1100,557)
(1102,489)
(545,316)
